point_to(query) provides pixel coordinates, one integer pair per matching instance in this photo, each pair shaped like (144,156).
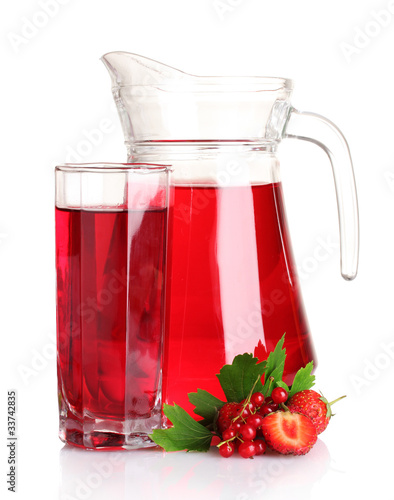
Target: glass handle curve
(314,128)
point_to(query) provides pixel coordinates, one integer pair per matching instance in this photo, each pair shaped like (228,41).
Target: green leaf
(282,384)
(303,379)
(274,368)
(206,405)
(186,433)
(238,378)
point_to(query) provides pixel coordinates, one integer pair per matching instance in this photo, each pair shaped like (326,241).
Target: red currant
(260,447)
(279,395)
(254,420)
(228,434)
(268,408)
(259,432)
(245,413)
(227,449)
(247,432)
(247,449)
(250,406)
(257,399)
(273,405)
(235,425)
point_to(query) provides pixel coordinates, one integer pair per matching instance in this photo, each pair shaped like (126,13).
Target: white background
(54,89)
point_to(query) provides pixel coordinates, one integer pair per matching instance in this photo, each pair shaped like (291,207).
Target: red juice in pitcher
(231,282)
(110,267)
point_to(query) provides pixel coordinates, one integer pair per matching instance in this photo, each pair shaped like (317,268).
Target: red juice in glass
(110,324)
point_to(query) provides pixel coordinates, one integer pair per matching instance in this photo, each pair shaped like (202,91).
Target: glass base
(107,441)
(102,434)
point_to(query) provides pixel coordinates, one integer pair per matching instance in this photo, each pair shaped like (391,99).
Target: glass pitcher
(231,276)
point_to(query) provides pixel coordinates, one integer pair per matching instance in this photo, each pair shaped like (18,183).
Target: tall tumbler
(111,225)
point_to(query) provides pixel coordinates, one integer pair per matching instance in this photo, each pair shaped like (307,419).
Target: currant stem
(247,400)
(271,379)
(284,407)
(251,391)
(227,441)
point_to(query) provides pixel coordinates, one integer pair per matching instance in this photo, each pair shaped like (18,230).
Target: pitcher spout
(126,69)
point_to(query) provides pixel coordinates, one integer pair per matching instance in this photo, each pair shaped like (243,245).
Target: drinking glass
(111,225)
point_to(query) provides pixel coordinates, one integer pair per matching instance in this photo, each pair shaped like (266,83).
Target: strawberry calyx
(328,406)
(329,413)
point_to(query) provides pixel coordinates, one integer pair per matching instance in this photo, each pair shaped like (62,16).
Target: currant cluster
(285,419)
(240,424)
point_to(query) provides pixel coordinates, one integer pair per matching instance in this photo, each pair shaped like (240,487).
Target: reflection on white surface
(154,474)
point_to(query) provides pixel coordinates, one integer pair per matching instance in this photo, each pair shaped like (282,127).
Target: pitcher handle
(317,129)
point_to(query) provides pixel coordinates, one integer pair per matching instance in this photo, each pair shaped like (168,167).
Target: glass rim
(111,167)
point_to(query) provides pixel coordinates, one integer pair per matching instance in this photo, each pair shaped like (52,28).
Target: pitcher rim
(210,80)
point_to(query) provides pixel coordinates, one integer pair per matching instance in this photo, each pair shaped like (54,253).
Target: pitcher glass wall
(231,276)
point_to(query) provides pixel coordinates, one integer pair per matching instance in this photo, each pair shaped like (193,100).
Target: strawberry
(289,433)
(226,415)
(313,405)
